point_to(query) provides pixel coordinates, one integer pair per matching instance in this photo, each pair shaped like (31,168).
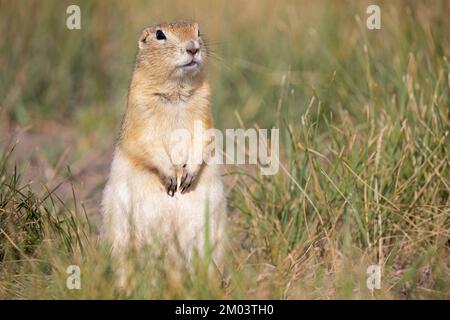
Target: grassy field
(364,118)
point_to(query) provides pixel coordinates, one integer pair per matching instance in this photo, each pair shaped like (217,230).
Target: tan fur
(162,98)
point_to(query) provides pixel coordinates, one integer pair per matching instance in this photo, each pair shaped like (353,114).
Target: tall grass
(364,122)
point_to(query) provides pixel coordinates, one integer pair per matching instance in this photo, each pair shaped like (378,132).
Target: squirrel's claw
(186,181)
(171,185)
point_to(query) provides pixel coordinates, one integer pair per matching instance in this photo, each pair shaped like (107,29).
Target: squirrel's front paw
(170,184)
(188,178)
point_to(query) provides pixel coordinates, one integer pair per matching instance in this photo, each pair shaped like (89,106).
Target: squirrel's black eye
(160,35)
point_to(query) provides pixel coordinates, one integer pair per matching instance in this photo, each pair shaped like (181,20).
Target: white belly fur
(136,206)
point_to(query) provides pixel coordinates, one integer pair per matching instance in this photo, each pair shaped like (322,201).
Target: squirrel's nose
(192,51)
(192,47)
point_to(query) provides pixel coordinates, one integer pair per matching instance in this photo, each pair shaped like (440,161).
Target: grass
(364,129)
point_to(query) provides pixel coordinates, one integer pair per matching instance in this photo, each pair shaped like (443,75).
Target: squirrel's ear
(143,39)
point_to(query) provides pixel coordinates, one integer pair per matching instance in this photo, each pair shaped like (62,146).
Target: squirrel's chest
(175,119)
(166,124)
(167,127)
(176,116)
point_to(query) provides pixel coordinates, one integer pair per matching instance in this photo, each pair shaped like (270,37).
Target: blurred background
(310,68)
(65,90)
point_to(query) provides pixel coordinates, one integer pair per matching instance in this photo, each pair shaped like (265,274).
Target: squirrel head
(172,51)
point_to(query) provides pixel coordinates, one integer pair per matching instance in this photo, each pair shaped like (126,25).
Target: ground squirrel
(149,193)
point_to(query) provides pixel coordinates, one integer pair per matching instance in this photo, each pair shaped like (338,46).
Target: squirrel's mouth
(190,64)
